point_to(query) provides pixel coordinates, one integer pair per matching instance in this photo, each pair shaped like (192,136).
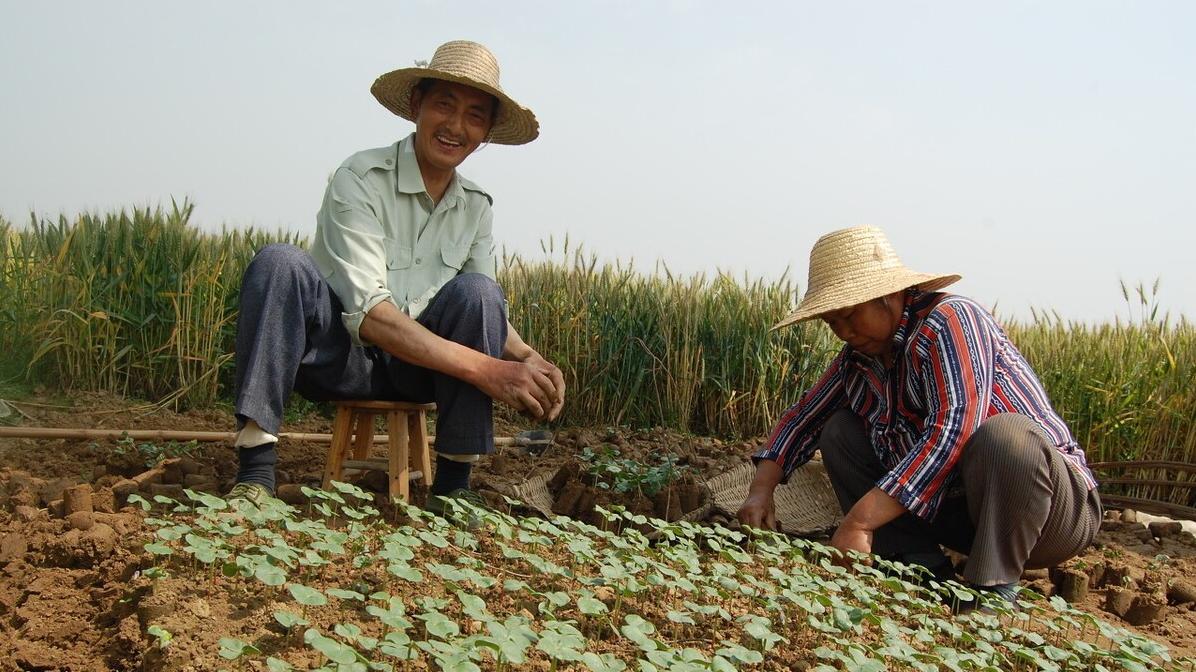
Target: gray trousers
(290,338)
(1023,506)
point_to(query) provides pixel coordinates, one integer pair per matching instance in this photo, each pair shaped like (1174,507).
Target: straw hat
(467,63)
(852,266)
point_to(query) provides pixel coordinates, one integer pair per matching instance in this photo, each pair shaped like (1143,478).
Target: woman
(932,426)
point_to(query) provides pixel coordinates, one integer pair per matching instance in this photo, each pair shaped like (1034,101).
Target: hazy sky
(1045,150)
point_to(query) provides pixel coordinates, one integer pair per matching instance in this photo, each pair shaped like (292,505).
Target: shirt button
(418,260)
(388,162)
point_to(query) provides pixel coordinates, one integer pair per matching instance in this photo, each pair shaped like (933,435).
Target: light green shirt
(379,237)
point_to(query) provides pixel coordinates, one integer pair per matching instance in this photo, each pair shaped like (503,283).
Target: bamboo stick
(178,435)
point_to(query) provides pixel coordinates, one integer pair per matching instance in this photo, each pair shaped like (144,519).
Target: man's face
(451,120)
(867,327)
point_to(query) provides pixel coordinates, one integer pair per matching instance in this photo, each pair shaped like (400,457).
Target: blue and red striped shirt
(953,367)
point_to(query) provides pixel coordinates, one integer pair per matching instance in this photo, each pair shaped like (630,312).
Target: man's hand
(515,350)
(558,382)
(758,511)
(524,386)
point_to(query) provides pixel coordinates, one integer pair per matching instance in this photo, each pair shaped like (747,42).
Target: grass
(135,302)
(141,303)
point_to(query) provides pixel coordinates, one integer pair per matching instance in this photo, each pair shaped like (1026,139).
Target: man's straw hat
(853,266)
(467,63)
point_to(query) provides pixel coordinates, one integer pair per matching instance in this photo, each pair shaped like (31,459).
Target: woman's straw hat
(852,266)
(467,63)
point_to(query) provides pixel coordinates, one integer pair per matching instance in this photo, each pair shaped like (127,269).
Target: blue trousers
(290,337)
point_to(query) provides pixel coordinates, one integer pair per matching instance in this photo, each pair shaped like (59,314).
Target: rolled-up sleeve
(955,364)
(350,249)
(795,436)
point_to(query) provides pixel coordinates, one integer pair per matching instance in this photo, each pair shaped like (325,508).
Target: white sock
(251,435)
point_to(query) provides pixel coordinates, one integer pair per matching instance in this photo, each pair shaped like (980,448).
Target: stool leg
(400,474)
(417,432)
(364,435)
(342,428)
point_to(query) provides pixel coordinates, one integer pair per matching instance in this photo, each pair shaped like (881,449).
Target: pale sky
(1045,150)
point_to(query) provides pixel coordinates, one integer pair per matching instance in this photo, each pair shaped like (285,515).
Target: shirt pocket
(454,255)
(398,257)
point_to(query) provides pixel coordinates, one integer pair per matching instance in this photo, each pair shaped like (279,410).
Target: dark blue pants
(290,338)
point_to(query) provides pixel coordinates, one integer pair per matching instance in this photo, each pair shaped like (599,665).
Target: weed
(152,454)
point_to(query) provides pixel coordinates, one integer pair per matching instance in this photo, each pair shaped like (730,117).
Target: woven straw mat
(534,493)
(805,505)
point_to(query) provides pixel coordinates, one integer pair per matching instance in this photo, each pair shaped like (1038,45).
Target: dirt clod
(171,490)
(13,546)
(155,607)
(81,520)
(193,480)
(291,494)
(1118,600)
(53,489)
(1181,592)
(123,488)
(1072,585)
(1146,609)
(1165,529)
(27,514)
(500,465)
(77,499)
(103,500)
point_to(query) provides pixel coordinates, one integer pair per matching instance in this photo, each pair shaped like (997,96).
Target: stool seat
(408,455)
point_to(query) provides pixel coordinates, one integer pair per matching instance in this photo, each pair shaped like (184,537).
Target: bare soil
(72,597)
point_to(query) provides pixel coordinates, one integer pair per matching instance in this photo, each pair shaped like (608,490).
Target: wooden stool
(407,446)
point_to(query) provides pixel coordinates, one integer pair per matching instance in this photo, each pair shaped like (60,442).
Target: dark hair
(425,84)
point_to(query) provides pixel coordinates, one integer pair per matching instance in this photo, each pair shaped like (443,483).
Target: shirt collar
(411,181)
(907,318)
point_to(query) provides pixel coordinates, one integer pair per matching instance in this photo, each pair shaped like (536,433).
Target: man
(932,426)
(397,299)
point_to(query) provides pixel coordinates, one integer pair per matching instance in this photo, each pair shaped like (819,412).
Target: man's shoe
(254,493)
(439,505)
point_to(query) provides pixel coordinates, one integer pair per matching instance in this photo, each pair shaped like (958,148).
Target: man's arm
(523,385)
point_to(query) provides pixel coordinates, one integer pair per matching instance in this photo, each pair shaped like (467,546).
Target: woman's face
(868,327)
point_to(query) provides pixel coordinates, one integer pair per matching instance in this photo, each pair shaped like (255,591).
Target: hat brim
(848,294)
(514,125)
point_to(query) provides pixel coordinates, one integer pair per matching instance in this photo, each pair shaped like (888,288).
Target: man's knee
(473,289)
(275,258)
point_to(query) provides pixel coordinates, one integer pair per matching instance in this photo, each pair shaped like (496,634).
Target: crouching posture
(932,427)
(398,298)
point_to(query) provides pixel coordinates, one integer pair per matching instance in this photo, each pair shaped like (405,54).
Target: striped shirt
(953,367)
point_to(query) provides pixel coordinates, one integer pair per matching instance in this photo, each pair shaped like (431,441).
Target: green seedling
(232,648)
(161,635)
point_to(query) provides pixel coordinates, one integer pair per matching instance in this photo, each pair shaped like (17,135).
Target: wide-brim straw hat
(467,63)
(852,266)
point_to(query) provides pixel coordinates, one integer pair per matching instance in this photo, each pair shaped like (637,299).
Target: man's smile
(448,142)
